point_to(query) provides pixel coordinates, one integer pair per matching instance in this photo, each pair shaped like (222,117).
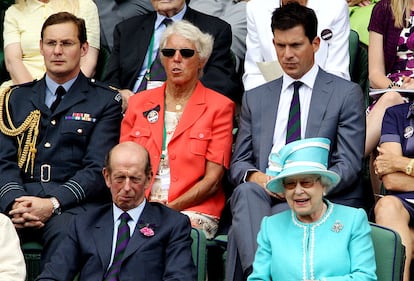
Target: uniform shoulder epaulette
(100,84)
(27,84)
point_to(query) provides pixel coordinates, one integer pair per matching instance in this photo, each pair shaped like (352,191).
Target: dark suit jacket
(113,12)
(132,38)
(336,112)
(72,141)
(87,248)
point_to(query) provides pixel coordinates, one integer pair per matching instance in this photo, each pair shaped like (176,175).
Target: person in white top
(22,25)
(12,265)
(333,29)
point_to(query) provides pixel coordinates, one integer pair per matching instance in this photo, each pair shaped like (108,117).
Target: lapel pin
(408,132)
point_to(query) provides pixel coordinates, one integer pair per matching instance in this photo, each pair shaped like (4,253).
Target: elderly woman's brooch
(152,114)
(337,227)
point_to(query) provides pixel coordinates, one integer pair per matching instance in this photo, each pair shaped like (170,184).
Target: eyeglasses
(304,182)
(63,44)
(185,53)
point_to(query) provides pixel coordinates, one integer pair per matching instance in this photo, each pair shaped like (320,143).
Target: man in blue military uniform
(55,135)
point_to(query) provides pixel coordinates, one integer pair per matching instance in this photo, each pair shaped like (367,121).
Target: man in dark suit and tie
(136,44)
(330,107)
(153,244)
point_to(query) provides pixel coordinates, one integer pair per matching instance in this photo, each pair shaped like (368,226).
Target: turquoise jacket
(337,247)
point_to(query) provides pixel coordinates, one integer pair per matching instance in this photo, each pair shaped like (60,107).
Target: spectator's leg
(249,204)
(56,229)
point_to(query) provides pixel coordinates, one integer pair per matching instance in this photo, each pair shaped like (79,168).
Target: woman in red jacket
(187,129)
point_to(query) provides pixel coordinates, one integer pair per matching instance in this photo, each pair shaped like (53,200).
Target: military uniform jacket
(71,145)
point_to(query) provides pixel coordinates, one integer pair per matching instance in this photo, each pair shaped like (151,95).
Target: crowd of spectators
(206,88)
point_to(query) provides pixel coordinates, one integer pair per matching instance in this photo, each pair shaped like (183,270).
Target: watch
(56,206)
(409,168)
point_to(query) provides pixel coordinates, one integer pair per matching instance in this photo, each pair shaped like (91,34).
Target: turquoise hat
(302,157)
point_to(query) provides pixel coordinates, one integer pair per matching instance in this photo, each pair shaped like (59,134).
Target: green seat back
(389,253)
(32,252)
(358,64)
(199,252)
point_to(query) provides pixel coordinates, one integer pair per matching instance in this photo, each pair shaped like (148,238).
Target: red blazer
(203,133)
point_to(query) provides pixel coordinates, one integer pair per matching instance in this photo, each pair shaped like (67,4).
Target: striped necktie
(157,72)
(122,240)
(293,126)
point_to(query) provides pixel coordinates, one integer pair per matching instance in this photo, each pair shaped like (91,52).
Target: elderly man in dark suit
(157,243)
(133,63)
(55,133)
(330,107)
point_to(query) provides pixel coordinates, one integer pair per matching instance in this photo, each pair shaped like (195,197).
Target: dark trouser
(52,233)
(249,204)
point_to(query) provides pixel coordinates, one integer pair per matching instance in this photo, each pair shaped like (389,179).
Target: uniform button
(53,122)
(174,179)
(80,131)
(137,133)
(172,156)
(201,135)
(47,144)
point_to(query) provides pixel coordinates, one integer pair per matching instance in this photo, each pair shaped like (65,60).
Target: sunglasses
(185,53)
(305,182)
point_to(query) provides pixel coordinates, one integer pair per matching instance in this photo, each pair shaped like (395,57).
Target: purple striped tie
(122,240)
(293,125)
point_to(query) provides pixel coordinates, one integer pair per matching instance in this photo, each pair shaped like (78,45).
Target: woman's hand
(384,163)
(408,83)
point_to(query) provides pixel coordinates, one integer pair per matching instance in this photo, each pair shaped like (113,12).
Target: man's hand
(17,211)
(31,211)
(261,179)
(126,94)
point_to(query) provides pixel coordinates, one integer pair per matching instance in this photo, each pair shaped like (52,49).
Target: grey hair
(326,182)
(202,41)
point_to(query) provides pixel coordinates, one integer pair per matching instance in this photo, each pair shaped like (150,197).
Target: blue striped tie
(293,125)
(122,240)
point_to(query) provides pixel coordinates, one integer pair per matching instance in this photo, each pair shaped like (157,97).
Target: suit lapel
(194,109)
(322,92)
(138,239)
(141,42)
(269,105)
(156,128)
(103,235)
(38,97)
(189,14)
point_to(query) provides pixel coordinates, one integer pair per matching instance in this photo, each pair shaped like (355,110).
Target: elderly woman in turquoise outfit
(315,239)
